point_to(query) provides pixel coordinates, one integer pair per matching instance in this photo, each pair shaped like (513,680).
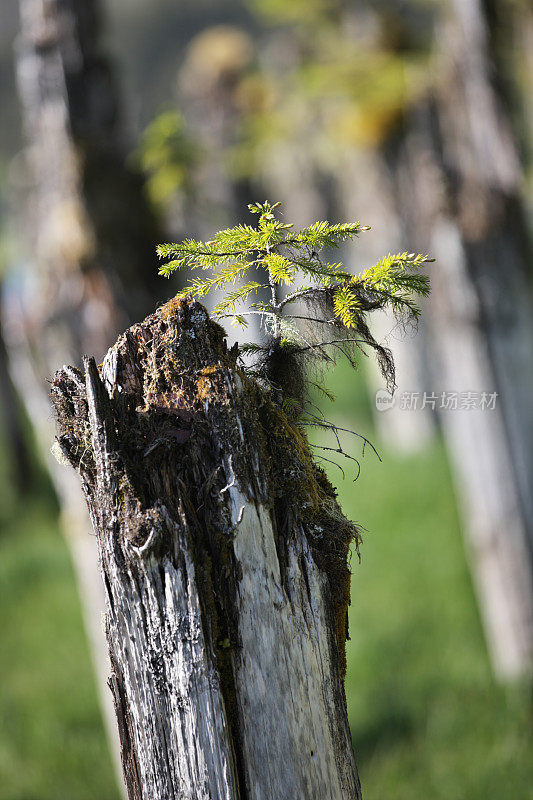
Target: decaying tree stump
(224,559)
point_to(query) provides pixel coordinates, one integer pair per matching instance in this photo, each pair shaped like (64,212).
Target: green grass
(52,743)
(428,721)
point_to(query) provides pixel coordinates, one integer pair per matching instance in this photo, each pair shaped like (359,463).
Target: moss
(172,307)
(209,383)
(73,429)
(301,493)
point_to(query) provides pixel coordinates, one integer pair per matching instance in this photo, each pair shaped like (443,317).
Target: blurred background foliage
(315,104)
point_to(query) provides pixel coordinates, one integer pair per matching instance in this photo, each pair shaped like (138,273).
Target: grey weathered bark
(224,557)
(89,235)
(461,174)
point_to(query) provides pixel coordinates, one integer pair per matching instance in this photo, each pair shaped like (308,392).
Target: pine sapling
(311,309)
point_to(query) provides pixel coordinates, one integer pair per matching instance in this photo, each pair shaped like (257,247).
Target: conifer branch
(335,298)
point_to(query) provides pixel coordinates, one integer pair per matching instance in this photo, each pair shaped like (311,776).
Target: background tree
(89,233)
(467,203)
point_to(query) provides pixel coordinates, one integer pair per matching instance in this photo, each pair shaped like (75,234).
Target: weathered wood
(224,558)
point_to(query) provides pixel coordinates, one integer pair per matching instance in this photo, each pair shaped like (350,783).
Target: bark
(90,235)
(460,169)
(224,558)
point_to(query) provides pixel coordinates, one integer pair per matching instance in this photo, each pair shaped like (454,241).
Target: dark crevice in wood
(109,593)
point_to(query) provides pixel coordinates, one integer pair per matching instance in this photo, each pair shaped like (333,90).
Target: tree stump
(224,558)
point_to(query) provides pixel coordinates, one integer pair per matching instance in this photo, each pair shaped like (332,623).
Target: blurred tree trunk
(224,557)
(366,189)
(90,235)
(215,62)
(215,65)
(460,170)
(19,463)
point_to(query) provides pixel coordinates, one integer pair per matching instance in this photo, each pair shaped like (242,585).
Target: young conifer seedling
(312,310)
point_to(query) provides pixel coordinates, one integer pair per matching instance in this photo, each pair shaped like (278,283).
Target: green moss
(301,494)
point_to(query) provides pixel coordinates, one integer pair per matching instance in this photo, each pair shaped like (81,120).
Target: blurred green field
(52,743)
(428,721)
